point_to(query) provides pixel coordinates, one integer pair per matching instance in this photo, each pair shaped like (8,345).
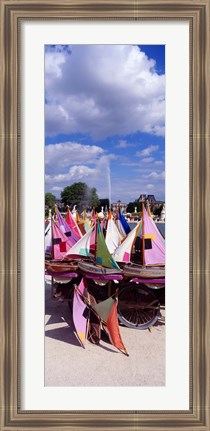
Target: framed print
(28,31)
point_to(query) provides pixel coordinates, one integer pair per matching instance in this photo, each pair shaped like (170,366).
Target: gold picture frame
(13,14)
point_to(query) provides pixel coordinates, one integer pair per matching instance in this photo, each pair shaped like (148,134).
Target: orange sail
(107,311)
(113,329)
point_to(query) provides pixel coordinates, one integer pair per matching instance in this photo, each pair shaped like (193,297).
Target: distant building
(119,204)
(142,198)
(151,199)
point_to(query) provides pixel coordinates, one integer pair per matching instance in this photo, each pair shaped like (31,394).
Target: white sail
(123,252)
(120,228)
(113,236)
(82,247)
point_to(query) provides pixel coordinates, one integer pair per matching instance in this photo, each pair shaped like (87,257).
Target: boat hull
(91,268)
(139,271)
(60,267)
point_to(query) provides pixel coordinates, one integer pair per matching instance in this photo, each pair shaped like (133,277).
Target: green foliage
(103,203)
(81,195)
(49,200)
(132,205)
(157,209)
(138,214)
(94,200)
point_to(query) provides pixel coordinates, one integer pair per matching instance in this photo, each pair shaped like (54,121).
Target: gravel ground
(68,364)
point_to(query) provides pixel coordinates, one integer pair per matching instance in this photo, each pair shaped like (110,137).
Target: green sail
(103,257)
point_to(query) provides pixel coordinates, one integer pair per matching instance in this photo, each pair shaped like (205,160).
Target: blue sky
(105,119)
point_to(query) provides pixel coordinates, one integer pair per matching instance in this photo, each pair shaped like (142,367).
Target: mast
(96,238)
(51,227)
(143,244)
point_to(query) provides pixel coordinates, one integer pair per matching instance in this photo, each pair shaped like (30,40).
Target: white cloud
(130,163)
(155,175)
(124,144)
(147,151)
(150,187)
(158,162)
(99,178)
(53,64)
(63,155)
(103,90)
(146,160)
(75,173)
(56,189)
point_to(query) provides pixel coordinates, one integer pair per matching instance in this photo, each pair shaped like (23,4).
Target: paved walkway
(68,364)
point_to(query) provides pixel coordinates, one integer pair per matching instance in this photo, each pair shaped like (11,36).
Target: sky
(105,119)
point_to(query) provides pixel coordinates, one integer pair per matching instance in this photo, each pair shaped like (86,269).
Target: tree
(81,195)
(132,205)
(103,203)
(94,200)
(49,200)
(157,209)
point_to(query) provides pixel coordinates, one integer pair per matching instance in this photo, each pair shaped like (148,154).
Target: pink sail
(60,242)
(73,224)
(154,246)
(80,321)
(66,228)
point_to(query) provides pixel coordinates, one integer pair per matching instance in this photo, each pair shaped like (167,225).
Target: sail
(107,311)
(124,222)
(113,236)
(81,227)
(60,242)
(48,237)
(87,225)
(123,252)
(73,224)
(84,222)
(64,226)
(154,246)
(120,228)
(82,247)
(157,230)
(103,224)
(103,256)
(79,319)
